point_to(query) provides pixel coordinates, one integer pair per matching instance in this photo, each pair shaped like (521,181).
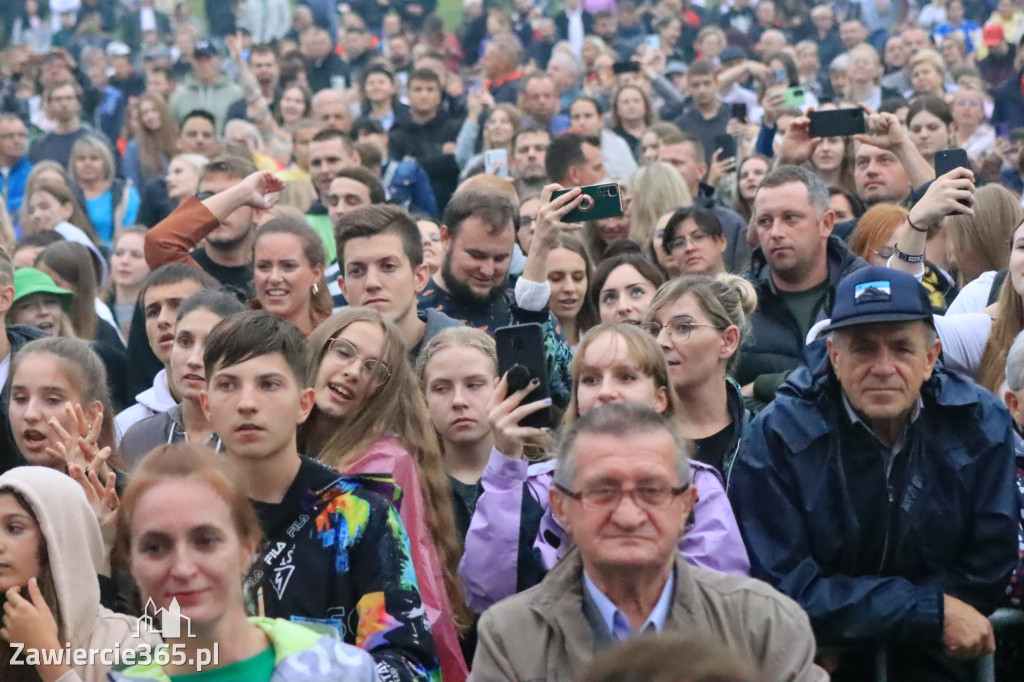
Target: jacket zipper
(888,513)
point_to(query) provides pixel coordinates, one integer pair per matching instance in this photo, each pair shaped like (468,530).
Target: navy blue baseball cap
(877,294)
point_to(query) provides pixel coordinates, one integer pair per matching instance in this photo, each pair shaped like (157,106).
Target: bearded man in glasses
(623,492)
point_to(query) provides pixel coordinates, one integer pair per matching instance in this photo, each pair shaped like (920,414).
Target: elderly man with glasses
(623,491)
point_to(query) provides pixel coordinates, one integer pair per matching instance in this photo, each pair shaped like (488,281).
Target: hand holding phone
(599,201)
(527,399)
(947,160)
(496,162)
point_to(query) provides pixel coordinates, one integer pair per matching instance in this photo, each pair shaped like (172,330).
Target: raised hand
(29,622)
(886,131)
(78,445)
(797,145)
(943,198)
(102,497)
(504,414)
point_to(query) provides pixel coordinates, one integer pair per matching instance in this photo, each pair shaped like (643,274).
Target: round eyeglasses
(346,354)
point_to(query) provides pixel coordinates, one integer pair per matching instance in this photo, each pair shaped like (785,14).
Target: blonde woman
(654,190)
(110,202)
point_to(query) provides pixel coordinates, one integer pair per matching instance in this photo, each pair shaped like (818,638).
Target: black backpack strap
(997,286)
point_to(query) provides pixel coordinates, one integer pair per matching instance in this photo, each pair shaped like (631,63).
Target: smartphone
(838,123)
(599,201)
(652,42)
(727,143)
(794,97)
(738,110)
(496,162)
(948,159)
(521,356)
(780,75)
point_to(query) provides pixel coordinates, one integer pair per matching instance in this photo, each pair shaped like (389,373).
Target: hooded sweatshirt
(154,400)
(76,556)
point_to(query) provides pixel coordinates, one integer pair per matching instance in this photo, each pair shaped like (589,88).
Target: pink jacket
(388,456)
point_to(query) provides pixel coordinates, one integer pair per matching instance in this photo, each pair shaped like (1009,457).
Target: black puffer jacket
(776,342)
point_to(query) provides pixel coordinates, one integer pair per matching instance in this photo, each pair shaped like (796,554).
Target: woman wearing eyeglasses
(874,240)
(699,323)
(370,417)
(693,242)
(513,537)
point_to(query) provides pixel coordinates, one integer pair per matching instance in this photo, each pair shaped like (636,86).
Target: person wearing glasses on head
(514,538)
(699,322)
(623,489)
(370,417)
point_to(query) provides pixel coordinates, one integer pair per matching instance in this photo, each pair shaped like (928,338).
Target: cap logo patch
(872,292)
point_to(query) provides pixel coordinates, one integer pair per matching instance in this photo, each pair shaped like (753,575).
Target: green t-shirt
(258,668)
(804,305)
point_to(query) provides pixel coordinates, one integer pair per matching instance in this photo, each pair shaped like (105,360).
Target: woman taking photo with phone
(614,363)
(370,417)
(184,507)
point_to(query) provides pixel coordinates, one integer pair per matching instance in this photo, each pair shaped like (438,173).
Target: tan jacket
(542,634)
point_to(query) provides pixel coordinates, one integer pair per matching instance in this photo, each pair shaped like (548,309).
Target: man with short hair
(206,87)
(352,187)
(380,250)
(12,338)
(429,135)
(566,72)
(852,33)
(330,109)
(232,195)
(198,134)
(574,160)
(330,150)
(324,68)
(501,63)
(63,105)
(265,69)
(708,118)
(14,162)
(335,553)
(623,491)
(912,544)
(538,100)
(686,155)
(529,158)
(794,269)
(162,292)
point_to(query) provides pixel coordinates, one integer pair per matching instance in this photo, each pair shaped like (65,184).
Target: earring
(316,288)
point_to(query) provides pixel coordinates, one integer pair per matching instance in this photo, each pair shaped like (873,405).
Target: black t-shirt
(236,278)
(713,449)
(464,497)
(705,129)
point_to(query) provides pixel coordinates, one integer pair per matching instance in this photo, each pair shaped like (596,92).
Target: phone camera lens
(612,191)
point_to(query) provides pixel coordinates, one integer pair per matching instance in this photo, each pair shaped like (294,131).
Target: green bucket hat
(28,281)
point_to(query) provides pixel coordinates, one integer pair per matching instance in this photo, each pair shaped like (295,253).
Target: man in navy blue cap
(877,490)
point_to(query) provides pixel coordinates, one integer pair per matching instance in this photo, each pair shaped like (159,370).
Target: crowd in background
(257,264)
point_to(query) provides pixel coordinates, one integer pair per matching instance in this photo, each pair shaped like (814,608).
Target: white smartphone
(496,162)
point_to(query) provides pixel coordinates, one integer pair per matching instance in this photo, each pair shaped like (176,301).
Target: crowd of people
(261,272)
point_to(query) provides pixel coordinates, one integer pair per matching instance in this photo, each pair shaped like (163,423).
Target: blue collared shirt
(617,623)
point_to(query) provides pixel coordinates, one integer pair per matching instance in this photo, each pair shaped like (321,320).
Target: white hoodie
(76,557)
(153,400)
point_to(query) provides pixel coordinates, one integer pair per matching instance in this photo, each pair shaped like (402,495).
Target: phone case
(603,202)
(838,123)
(521,355)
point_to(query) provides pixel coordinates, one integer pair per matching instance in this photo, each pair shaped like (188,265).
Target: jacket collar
(839,257)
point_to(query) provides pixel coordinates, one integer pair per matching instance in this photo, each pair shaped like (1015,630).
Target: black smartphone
(522,358)
(599,201)
(727,143)
(838,123)
(948,159)
(738,110)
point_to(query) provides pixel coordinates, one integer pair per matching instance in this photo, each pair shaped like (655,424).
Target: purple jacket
(488,566)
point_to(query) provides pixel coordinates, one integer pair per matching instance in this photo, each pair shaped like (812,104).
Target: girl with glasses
(699,323)
(513,537)
(370,417)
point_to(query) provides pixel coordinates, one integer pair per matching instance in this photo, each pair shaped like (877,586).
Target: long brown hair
(397,408)
(72,262)
(154,144)
(320,304)
(85,370)
(79,218)
(1005,328)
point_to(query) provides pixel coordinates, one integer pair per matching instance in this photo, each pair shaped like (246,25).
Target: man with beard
(477,237)
(224,212)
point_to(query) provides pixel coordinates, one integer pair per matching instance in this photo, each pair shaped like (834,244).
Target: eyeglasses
(605,498)
(203,196)
(679,328)
(682,242)
(885,252)
(346,354)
